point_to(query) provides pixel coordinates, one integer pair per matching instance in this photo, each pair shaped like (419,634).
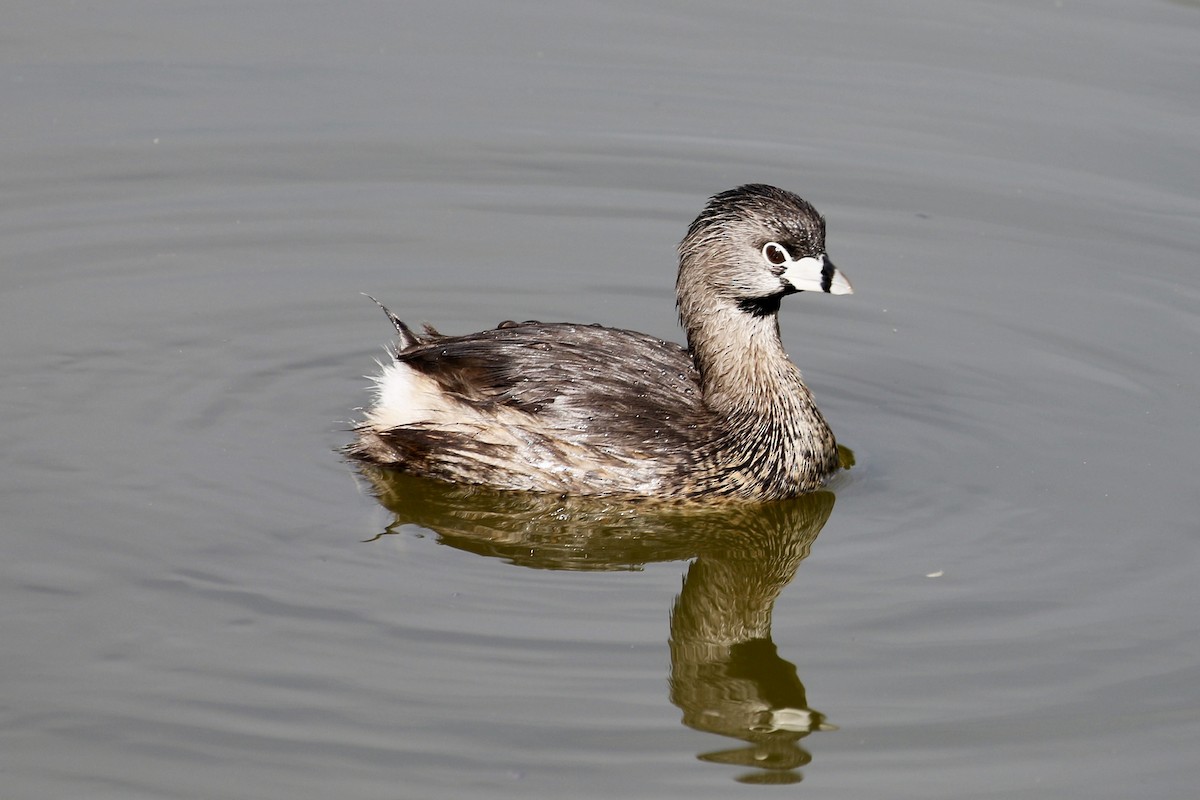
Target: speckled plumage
(589,410)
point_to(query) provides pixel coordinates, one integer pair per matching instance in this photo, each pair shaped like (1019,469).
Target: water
(199,599)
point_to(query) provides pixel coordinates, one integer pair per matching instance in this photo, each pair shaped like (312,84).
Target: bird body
(590,410)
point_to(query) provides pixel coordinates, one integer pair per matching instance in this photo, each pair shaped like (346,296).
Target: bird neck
(740,357)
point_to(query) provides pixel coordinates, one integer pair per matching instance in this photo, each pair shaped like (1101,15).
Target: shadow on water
(726,675)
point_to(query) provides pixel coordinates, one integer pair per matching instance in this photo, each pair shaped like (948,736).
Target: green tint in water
(726,676)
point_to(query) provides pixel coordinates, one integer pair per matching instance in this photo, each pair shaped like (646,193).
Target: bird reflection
(726,676)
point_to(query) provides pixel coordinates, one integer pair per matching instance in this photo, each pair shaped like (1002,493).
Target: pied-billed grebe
(588,410)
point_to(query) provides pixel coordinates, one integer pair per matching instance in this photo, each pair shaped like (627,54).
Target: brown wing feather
(580,379)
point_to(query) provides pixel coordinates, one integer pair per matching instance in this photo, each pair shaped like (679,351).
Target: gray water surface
(200,599)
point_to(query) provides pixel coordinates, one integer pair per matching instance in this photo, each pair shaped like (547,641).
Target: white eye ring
(776,254)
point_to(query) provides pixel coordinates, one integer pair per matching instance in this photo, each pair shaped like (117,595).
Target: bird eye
(776,253)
